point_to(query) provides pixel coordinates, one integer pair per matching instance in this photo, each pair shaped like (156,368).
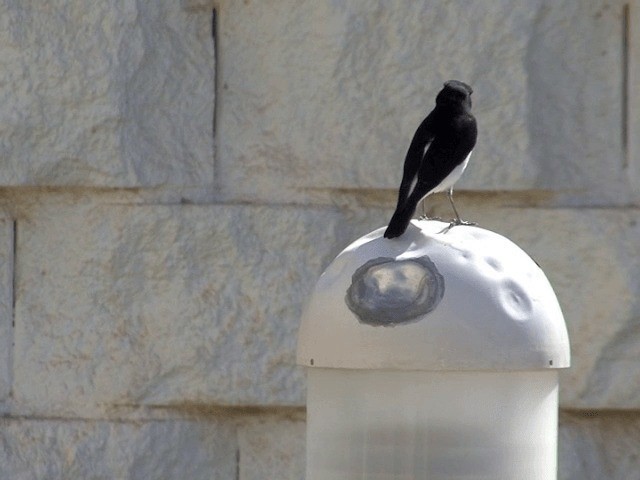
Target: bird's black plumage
(438,153)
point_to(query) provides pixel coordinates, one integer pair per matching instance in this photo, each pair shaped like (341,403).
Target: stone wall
(176,175)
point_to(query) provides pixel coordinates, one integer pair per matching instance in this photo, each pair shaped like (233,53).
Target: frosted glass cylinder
(409,425)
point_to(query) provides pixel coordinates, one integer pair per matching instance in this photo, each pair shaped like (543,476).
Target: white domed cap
(462,299)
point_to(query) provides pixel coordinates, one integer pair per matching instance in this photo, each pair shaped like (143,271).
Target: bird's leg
(424,215)
(424,212)
(458,220)
(453,205)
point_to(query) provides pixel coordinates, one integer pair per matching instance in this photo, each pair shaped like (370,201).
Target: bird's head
(455,94)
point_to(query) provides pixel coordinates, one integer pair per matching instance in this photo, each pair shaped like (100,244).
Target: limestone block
(272,447)
(592,259)
(122,305)
(164,305)
(575,113)
(116,94)
(6,305)
(171,450)
(328,95)
(597,445)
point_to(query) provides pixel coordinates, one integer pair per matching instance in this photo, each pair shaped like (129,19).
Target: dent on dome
(386,291)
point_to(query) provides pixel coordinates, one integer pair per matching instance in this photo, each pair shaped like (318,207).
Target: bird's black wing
(432,173)
(445,153)
(423,136)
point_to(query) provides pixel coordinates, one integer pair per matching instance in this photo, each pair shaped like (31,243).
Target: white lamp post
(433,356)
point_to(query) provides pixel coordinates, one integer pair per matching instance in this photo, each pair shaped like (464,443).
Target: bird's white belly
(452,178)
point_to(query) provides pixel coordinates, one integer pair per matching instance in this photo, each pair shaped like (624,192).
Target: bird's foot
(426,217)
(459,221)
(456,222)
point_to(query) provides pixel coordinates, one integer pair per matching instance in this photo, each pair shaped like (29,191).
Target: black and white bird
(438,154)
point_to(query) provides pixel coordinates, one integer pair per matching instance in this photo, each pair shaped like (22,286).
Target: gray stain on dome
(389,292)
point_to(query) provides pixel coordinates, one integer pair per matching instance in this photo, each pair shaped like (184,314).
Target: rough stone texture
(599,445)
(326,95)
(201,304)
(272,447)
(153,305)
(6,306)
(198,4)
(115,94)
(574,113)
(62,450)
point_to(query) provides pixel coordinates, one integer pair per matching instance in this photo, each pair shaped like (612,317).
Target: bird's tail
(399,222)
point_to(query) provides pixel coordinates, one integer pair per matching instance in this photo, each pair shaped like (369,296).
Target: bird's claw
(456,222)
(459,221)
